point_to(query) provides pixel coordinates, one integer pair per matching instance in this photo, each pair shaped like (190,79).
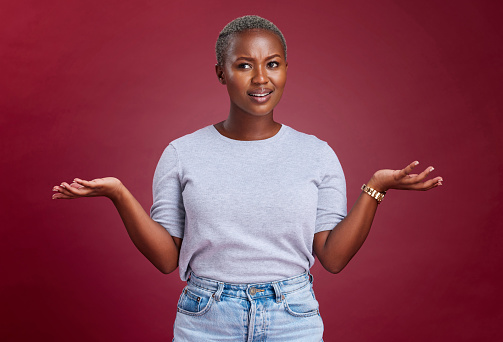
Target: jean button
(253,291)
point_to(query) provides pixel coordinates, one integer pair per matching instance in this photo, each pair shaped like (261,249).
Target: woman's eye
(273,64)
(244,66)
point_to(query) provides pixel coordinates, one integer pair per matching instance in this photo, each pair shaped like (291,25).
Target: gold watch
(373,193)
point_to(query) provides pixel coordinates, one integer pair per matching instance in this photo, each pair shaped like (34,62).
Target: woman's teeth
(260,95)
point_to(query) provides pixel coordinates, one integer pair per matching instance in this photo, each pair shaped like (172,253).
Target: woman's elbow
(334,267)
(166,269)
(334,270)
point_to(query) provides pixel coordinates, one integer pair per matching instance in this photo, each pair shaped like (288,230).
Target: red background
(99,88)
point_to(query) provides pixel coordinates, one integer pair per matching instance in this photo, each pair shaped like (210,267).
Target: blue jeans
(279,311)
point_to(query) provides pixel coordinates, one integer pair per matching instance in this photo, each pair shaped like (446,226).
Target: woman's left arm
(335,248)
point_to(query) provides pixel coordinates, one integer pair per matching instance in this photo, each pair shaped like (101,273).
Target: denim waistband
(252,290)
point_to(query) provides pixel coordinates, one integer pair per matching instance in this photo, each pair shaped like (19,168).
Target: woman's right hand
(109,187)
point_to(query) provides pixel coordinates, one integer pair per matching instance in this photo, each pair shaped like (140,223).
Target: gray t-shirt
(248,210)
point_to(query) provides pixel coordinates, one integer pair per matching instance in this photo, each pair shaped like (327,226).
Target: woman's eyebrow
(252,59)
(273,56)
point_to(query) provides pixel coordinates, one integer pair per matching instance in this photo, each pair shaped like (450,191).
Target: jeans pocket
(301,303)
(195,301)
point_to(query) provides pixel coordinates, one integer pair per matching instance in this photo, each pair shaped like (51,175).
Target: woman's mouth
(260,95)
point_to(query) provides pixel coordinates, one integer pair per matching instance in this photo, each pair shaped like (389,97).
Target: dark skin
(247,65)
(254,73)
(254,61)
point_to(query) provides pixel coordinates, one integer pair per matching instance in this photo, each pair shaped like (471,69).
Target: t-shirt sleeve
(332,202)
(167,208)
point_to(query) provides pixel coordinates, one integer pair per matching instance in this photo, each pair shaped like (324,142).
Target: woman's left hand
(404,179)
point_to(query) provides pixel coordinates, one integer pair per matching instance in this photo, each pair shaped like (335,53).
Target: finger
(57,194)
(59,188)
(72,190)
(84,182)
(66,189)
(423,175)
(76,185)
(62,196)
(432,183)
(408,169)
(61,192)
(429,184)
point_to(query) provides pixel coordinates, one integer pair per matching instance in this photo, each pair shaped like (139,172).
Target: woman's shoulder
(310,140)
(310,146)
(196,137)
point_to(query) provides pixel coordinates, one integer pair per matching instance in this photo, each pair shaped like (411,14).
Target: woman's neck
(248,127)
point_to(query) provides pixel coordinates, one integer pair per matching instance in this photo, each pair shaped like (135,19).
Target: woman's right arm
(151,239)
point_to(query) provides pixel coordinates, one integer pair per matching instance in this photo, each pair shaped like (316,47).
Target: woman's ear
(220,73)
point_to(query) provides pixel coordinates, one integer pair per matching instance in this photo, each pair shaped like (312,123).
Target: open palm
(404,179)
(107,187)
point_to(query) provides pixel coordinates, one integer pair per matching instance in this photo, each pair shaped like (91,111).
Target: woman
(253,201)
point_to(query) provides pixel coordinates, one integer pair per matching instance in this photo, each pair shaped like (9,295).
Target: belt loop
(277,291)
(219,291)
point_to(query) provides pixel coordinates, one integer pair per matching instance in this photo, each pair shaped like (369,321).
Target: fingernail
(416,163)
(62,185)
(432,169)
(80,187)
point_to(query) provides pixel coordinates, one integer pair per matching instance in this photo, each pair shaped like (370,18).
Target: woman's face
(254,71)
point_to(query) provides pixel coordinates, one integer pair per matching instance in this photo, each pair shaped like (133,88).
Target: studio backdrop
(99,88)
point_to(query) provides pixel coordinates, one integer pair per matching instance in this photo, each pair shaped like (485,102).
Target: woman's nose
(260,76)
